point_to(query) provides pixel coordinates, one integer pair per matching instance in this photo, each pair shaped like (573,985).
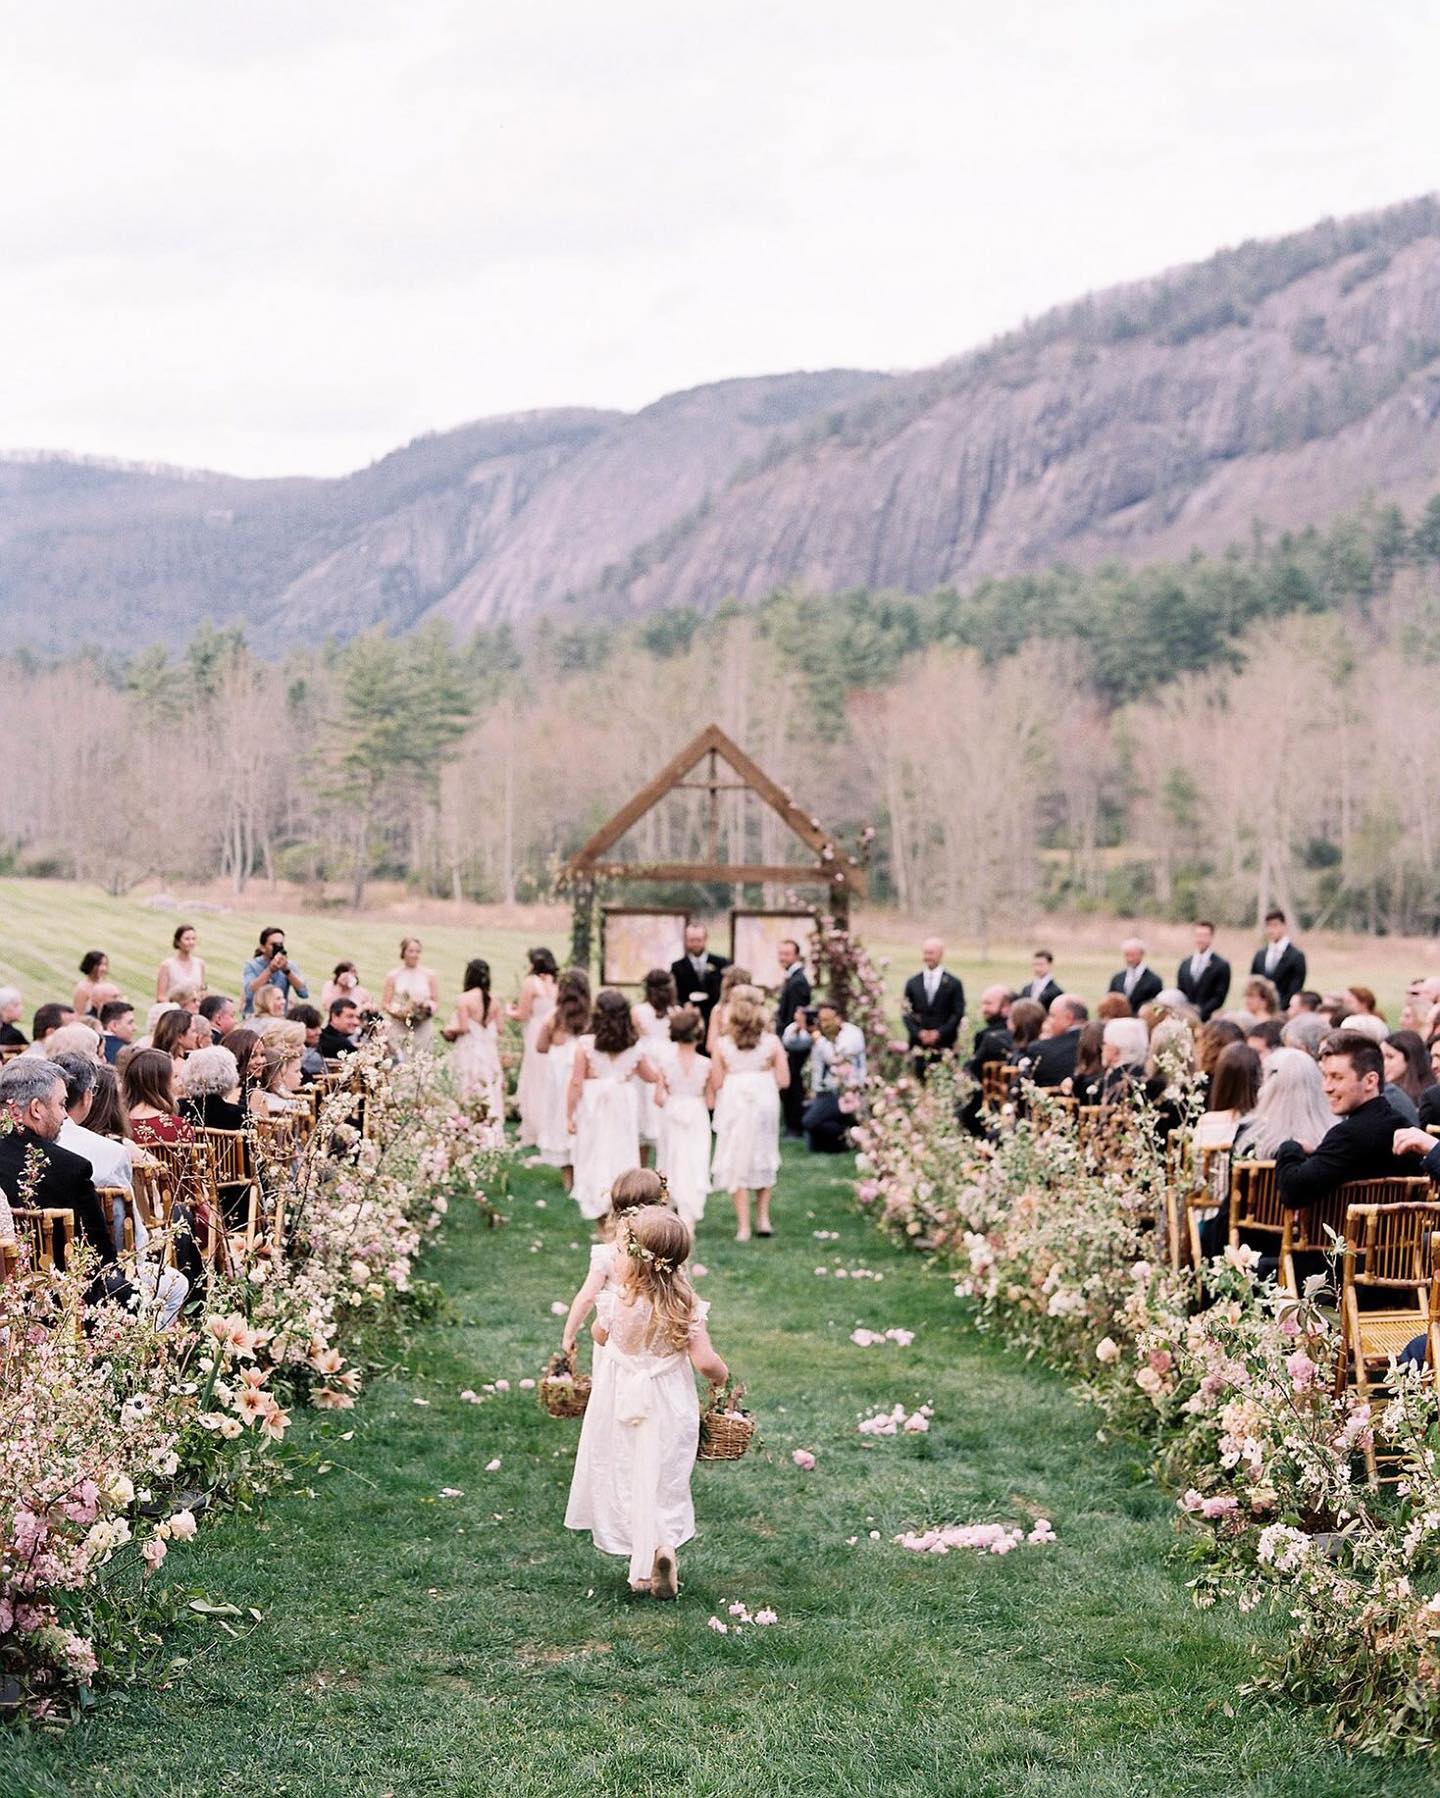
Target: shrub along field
(412,1642)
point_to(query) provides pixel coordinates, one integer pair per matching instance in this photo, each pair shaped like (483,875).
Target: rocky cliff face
(1281,382)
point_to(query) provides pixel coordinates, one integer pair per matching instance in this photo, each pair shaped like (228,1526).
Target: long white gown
(556,1144)
(631,1487)
(607,1126)
(683,1154)
(655,1039)
(476,1063)
(747,1117)
(530,1087)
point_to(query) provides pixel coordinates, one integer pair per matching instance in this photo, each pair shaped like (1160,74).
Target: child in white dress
(555,1049)
(534,1006)
(684,1148)
(633,1191)
(748,1073)
(651,1017)
(631,1487)
(603,1112)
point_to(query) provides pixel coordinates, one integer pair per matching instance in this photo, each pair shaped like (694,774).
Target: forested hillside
(1288,381)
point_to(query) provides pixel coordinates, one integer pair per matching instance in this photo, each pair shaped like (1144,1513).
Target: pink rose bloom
(1161,1360)
(804,1460)
(1302,1370)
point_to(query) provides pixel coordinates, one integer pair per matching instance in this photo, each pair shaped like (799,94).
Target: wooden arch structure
(713,764)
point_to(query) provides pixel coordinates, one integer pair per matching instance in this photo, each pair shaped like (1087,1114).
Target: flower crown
(638,1252)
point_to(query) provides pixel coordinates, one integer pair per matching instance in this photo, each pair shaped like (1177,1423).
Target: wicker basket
(725,1426)
(564,1390)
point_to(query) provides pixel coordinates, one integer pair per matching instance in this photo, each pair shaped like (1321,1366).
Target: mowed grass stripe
(414,1644)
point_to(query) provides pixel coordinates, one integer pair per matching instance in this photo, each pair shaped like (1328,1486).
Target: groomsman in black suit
(934,1007)
(1204,977)
(1138,983)
(794,997)
(1042,986)
(697,972)
(1280,961)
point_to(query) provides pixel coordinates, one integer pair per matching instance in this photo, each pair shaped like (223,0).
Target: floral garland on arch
(117,1439)
(1236,1395)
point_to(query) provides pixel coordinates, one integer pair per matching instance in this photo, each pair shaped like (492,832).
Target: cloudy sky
(288,235)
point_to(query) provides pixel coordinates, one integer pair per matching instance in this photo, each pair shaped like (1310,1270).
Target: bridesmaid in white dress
(749,1072)
(184,967)
(603,1112)
(534,1006)
(555,1046)
(410,999)
(475,1032)
(684,1150)
(631,1487)
(652,1020)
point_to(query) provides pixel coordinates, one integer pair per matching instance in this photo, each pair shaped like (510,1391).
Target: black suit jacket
(1289,975)
(1357,1147)
(687,985)
(993,1042)
(794,997)
(67,1181)
(334,1043)
(1047,995)
(1208,994)
(944,1013)
(1149,986)
(1054,1058)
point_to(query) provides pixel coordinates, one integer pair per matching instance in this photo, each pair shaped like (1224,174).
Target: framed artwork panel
(756,936)
(634,939)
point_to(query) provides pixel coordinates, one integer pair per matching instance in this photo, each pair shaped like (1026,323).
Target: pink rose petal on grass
(804,1460)
(493,1466)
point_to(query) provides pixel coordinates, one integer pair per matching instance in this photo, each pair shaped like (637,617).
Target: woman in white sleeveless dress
(748,1072)
(652,1020)
(410,999)
(683,1155)
(534,1006)
(604,1114)
(475,1032)
(555,1046)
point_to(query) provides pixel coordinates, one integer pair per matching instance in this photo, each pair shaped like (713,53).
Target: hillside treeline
(1220,733)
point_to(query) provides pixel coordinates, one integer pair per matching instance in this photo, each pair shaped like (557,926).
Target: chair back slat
(1254,1199)
(1394,1244)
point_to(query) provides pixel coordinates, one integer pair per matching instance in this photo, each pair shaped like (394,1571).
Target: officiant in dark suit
(1204,977)
(934,1007)
(1280,961)
(1137,982)
(697,972)
(794,997)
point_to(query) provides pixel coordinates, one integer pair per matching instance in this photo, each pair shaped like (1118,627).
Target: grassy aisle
(416,1644)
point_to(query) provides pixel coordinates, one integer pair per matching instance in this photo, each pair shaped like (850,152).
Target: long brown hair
(170,1026)
(241,1044)
(107,1116)
(572,1001)
(658,1245)
(660,991)
(149,1079)
(634,1190)
(613,1026)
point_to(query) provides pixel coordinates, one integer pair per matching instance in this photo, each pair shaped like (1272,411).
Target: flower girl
(555,1045)
(633,1191)
(651,1017)
(749,1072)
(684,1148)
(631,1488)
(603,1112)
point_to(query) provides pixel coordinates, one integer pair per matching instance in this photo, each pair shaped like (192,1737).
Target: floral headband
(638,1252)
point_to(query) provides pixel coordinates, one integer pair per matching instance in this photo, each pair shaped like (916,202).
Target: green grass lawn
(412,1644)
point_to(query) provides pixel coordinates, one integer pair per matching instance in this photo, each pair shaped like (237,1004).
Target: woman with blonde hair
(409,999)
(748,1072)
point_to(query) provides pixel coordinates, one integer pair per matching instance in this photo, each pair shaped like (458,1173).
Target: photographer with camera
(271,966)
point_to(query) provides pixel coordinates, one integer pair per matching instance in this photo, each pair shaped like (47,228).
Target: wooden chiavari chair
(233,1182)
(48,1230)
(1255,1208)
(1393,1259)
(9,1262)
(995,1077)
(1315,1230)
(119,1199)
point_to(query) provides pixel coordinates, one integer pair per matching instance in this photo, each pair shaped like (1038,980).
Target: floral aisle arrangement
(1234,1388)
(117,1439)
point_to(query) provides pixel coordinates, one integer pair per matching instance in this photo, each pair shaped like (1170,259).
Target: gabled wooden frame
(841,874)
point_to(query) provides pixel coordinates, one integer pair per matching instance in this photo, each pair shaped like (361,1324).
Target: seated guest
(1215,1036)
(1260,998)
(1054,1059)
(1291,1106)
(1137,983)
(993,1042)
(1407,1065)
(76,1038)
(280,1083)
(249,1052)
(341,1035)
(1430,1098)
(1114,1005)
(95,989)
(1169,1071)
(1027,1016)
(148,1088)
(1042,985)
(1085,1082)
(11,1006)
(312,1063)
(1362,999)
(1265,1036)
(175,1032)
(1367,1024)
(218,1011)
(47,1020)
(1124,1048)
(1306,1001)
(1234,1093)
(1204,977)
(1306,1030)
(117,1021)
(1359,1145)
(1279,960)
(212,1091)
(269,1003)
(36,1171)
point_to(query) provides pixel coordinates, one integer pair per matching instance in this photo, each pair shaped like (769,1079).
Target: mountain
(1280,382)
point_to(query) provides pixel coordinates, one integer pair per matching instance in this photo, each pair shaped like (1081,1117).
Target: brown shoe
(665,1579)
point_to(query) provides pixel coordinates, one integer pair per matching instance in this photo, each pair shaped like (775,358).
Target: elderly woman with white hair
(212,1090)
(12,1007)
(1123,1054)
